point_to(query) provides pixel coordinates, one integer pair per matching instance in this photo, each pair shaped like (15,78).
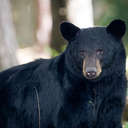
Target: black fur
(68,30)
(66,98)
(117,28)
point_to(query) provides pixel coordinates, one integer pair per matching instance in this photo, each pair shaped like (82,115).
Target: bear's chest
(80,109)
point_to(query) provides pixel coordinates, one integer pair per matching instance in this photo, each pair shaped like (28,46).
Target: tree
(8,44)
(80,12)
(44,23)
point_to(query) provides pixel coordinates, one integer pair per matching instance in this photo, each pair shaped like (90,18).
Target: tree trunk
(80,12)
(8,44)
(44,23)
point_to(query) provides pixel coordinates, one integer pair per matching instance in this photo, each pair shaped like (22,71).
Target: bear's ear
(68,30)
(117,28)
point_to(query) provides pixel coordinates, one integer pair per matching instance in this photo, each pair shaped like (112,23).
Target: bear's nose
(91,74)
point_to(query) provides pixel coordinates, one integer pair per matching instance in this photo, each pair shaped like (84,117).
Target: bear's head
(95,52)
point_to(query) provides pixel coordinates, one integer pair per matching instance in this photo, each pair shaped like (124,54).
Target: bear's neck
(72,67)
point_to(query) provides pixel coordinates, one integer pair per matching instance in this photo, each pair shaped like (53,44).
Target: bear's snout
(91,72)
(91,67)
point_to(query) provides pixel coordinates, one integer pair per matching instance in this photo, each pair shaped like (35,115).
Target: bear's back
(21,73)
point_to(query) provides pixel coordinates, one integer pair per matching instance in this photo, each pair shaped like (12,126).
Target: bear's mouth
(91,69)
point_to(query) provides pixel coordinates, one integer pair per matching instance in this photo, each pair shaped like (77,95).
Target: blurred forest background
(29,29)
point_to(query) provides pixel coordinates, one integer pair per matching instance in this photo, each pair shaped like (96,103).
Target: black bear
(84,87)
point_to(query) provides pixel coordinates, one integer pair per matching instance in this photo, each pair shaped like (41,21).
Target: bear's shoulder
(21,73)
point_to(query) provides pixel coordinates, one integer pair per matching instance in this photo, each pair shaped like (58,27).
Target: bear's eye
(82,53)
(99,52)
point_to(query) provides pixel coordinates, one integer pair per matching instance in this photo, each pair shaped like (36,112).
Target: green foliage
(126,125)
(55,52)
